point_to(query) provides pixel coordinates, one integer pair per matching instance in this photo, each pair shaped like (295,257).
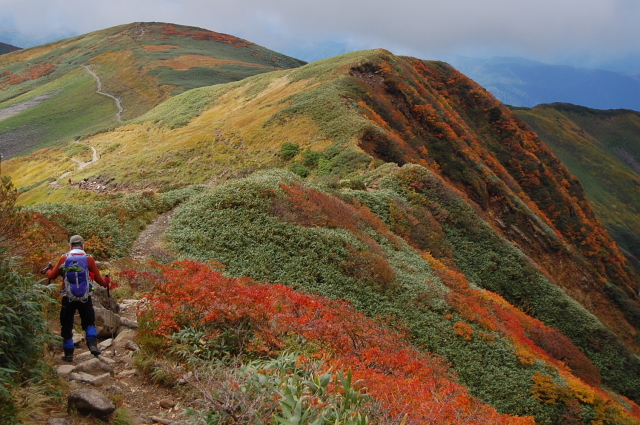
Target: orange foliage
(403,380)
(32,73)
(531,337)
(40,241)
(464,330)
(202,34)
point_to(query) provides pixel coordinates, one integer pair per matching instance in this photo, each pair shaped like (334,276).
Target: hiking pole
(111,309)
(46,269)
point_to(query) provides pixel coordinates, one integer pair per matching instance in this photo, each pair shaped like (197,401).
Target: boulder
(132,346)
(90,379)
(124,335)
(107,322)
(91,402)
(105,344)
(64,370)
(128,323)
(106,360)
(94,367)
(84,355)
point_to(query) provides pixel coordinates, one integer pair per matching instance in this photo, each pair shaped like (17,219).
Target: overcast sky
(590,33)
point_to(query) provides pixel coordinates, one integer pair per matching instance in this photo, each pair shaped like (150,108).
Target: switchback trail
(99,91)
(94,159)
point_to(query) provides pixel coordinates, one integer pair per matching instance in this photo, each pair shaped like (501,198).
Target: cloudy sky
(589,33)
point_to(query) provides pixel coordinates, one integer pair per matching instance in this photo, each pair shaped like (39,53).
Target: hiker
(79,270)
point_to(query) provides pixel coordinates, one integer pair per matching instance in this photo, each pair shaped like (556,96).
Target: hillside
(411,193)
(523,82)
(602,148)
(7,48)
(49,93)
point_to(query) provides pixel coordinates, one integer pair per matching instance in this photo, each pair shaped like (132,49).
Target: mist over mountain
(524,82)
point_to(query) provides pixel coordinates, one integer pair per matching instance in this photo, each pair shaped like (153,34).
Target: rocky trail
(94,383)
(150,241)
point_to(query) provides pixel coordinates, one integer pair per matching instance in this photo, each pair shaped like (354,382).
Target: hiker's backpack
(77,282)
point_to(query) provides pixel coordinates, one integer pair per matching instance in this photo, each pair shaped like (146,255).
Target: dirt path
(81,164)
(99,91)
(150,240)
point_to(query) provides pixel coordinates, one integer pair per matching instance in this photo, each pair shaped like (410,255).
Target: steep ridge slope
(484,205)
(140,64)
(602,148)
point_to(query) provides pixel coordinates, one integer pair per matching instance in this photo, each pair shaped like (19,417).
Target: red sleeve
(93,268)
(55,272)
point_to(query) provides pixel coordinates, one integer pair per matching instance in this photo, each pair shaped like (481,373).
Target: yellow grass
(158,47)
(185,62)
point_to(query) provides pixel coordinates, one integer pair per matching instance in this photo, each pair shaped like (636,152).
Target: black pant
(68,310)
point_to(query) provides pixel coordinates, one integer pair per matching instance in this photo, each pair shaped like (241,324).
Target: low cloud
(543,29)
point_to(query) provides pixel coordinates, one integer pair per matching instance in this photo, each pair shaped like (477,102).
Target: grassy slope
(589,141)
(142,64)
(340,104)
(243,224)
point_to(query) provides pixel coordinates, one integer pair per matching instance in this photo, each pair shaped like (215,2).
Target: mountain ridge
(396,184)
(525,82)
(141,64)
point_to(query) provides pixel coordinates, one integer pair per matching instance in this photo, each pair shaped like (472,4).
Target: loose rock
(132,346)
(90,379)
(105,344)
(113,389)
(127,373)
(58,421)
(94,367)
(65,370)
(128,323)
(165,403)
(90,401)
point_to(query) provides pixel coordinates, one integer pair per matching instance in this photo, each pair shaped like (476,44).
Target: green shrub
(289,150)
(23,336)
(239,225)
(112,226)
(311,158)
(280,390)
(299,169)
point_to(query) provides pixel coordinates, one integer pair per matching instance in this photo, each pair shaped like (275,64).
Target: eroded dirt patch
(23,106)
(14,142)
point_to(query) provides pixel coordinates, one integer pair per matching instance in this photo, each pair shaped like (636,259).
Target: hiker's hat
(76,240)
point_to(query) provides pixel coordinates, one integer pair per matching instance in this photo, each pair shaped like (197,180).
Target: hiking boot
(68,355)
(92,344)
